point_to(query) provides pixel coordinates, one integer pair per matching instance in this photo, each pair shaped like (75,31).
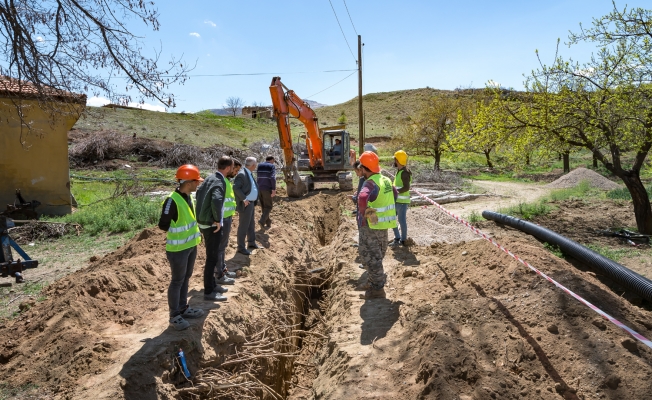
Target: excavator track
(345,179)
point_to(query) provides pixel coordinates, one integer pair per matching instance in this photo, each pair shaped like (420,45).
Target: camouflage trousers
(372,249)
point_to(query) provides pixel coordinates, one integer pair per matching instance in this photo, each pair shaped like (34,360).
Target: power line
(342,30)
(251,74)
(332,84)
(347,11)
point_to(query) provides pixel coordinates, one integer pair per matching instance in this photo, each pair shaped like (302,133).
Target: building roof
(10,87)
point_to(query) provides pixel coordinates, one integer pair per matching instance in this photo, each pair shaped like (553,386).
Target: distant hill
(383,110)
(315,105)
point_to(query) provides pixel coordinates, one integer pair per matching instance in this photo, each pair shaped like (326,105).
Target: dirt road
(507,194)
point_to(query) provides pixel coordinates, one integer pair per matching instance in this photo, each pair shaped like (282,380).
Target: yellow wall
(39,167)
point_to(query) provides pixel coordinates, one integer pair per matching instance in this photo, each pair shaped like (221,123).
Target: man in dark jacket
(245,189)
(210,214)
(267,187)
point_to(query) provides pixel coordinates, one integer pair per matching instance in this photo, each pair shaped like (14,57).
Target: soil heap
(578,175)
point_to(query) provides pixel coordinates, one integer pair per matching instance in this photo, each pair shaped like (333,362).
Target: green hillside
(201,129)
(382,110)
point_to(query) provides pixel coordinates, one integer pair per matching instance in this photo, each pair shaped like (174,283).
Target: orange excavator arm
(286,103)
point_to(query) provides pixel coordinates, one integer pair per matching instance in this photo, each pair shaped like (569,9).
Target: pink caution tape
(604,315)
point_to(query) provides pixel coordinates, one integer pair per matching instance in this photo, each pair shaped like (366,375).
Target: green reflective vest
(184,232)
(384,203)
(398,182)
(229,200)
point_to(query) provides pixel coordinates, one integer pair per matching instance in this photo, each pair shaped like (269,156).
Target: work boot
(215,296)
(395,242)
(373,294)
(268,224)
(225,280)
(362,267)
(220,289)
(230,274)
(179,323)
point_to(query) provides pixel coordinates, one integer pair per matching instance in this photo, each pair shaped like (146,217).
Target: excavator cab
(336,150)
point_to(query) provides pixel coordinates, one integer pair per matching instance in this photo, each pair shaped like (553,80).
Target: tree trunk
(566,157)
(527,159)
(595,162)
(559,156)
(487,155)
(642,209)
(437,159)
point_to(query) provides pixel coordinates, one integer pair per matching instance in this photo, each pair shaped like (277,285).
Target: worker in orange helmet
(183,235)
(376,214)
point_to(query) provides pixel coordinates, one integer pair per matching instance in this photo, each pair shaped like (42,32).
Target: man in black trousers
(245,189)
(267,186)
(210,218)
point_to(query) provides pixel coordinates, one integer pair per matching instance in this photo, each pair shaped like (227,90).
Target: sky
(408,44)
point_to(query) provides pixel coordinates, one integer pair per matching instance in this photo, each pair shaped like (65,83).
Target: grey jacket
(242,188)
(210,199)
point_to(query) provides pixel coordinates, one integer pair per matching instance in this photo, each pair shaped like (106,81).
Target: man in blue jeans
(402,182)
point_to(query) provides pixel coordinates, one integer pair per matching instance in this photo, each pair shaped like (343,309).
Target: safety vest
(384,203)
(398,182)
(229,200)
(184,232)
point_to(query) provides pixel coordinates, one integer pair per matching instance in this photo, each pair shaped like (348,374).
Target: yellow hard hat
(401,157)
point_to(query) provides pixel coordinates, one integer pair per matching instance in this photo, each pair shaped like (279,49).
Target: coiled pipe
(616,272)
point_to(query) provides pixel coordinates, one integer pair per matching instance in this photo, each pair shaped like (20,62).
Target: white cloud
(211,23)
(40,39)
(97,101)
(147,106)
(195,34)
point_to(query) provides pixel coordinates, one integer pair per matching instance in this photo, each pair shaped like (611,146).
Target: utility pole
(360,112)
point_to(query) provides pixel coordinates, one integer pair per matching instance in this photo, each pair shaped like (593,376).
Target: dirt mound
(578,175)
(465,321)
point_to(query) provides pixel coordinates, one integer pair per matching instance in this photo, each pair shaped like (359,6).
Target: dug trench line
(102,332)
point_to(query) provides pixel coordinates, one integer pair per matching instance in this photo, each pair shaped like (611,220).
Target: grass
(527,210)
(10,392)
(613,254)
(121,214)
(202,129)
(553,249)
(475,217)
(582,191)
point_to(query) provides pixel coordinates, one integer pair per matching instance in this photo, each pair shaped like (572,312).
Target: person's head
(225,165)
(357,168)
(338,141)
(237,165)
(188,177)
(370,163)
(250,163)
(400,159)
(270,159)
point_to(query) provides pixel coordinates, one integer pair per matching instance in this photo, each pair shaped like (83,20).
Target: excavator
(327,156)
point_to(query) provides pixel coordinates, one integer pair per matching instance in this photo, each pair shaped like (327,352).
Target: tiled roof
(10,87)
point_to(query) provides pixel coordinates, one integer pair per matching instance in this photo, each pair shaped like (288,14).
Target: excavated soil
(578,175)
(461,321)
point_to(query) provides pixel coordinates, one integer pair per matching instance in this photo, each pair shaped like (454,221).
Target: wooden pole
(360,112)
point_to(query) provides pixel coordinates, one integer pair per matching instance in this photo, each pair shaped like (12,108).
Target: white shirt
(253,195)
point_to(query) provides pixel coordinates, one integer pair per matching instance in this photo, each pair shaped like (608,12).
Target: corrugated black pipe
(623,276)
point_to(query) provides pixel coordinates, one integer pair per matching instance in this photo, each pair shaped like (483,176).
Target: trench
(310,283)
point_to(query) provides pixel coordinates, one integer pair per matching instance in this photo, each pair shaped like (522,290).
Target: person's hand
(246,203)
(273,193)
(217,227)
(350,196)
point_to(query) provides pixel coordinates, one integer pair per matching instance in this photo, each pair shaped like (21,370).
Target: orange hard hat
(369,159)
(188,172)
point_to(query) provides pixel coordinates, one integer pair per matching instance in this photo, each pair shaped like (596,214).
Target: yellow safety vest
(229,200)
(398,182)
(184,232)
(384,203)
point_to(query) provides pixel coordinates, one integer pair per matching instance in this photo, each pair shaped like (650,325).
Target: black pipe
(616,272)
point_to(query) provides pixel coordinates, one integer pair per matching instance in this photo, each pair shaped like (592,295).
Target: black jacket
(170,213)
(242,188)
(210,199)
